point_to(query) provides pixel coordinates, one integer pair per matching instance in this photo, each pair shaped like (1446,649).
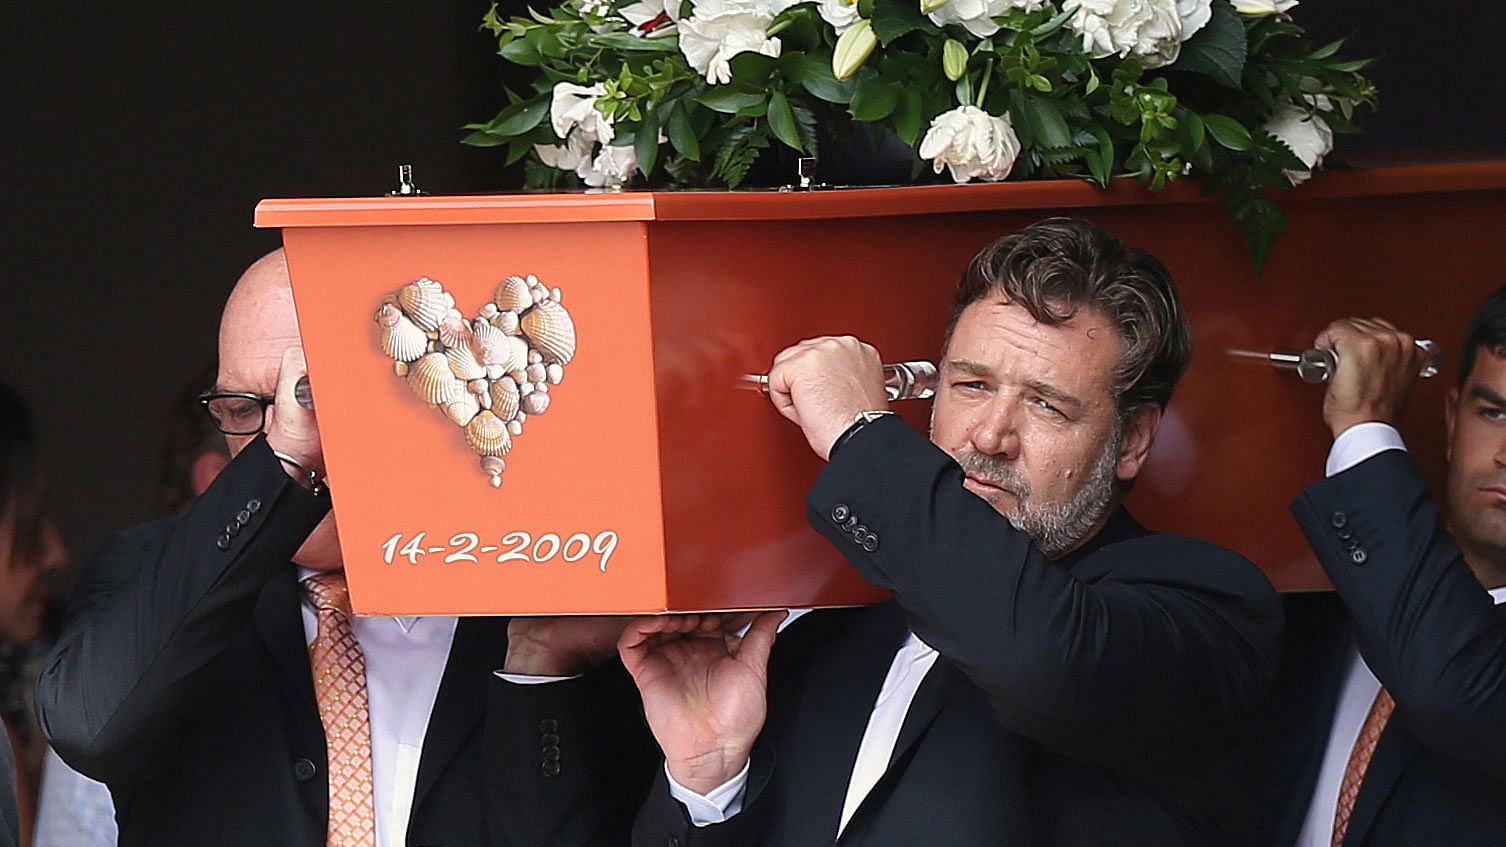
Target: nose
(995,431)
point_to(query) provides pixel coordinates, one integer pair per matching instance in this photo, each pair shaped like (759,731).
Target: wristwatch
(860,420)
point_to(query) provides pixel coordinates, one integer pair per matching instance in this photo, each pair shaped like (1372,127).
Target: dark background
(139,140)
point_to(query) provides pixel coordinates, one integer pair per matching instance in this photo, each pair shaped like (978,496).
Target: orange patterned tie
(340,688)
(1359,762)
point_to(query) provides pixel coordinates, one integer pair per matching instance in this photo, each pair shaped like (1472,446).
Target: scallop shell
(462,409)
(513,294)
(536,403)
(401,339)
(431,379)
(424,302)
(463,363)
(552,331)
(517,355)
(455,332)
(507,322)
(504,394)
(488,435)
(491,344)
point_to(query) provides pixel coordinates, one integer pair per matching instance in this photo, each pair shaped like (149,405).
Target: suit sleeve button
(304,770)
(550,739)
(1339,519)
(1346,532)
(223,542)
(550,769)
(551,754)
(672,842)
(871,544)
(253,505)
(243,517)
(841,512)
(1359,557)
(232,529)
(549,725)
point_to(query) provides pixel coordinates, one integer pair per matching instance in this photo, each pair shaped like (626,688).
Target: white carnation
(841,14)
(612,167)
(977,16)
(577,150)
(972,143)
(652,17)
(1153,30)
(721,29)
(1304,132)
(575,106)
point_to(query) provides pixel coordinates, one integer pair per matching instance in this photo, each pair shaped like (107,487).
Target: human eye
(1045,406)
(1494,414)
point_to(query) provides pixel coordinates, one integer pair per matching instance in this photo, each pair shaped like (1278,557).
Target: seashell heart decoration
(489,374)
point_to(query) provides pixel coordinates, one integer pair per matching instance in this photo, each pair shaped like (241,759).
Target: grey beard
(1059,527)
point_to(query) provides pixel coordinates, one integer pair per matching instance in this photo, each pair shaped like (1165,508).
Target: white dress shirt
(912,662)
(1354,445)
(405,660)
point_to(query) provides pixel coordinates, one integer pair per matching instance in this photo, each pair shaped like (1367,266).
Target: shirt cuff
(1360,442)
(723,802)
(530,679)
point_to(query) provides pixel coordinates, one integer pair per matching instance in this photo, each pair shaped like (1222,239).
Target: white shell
(455,332)
(507,322)
(424,302)
(462,409)
(536,372)
(492,346)
(504,394)
(536,403)
(512,295)
(488,435)
(401,339)
(463,363)
(515,426)
(431,379)
(555,372)
(551,329)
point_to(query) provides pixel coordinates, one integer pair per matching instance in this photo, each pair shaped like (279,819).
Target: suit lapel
(1392,753)
(1313,667)
(934,693)
(478,648)
(278,622)
(831,720)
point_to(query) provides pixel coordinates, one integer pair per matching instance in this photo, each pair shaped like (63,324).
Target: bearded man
(1049,672)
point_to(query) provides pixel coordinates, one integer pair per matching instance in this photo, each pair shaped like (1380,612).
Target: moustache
(995,470)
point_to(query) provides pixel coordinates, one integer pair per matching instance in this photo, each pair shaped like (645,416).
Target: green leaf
(1228,132)
(682,136)
(908,115)
(646,145)
(1218,50)
(634,44)
(752,68)
(1194,125)
(1055,23)
(729,100)
(1327,50)
(782,121)
(520,117)
(895,18)
(517,149)
(1351,66)
(875,99)
(1046,123)
(815,76)
(1101,160)
(483,139)
(519,52)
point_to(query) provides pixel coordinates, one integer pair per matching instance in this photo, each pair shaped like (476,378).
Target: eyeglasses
(237,412)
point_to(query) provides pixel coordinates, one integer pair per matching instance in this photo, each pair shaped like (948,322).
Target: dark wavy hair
(1060,266)
(1486,330)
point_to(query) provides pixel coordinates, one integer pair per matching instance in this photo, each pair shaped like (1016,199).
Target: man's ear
(1450,416)
(1139,434)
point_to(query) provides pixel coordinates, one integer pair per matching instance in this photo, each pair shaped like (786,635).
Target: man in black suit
(1049,672)
(1390,726)
(182,678)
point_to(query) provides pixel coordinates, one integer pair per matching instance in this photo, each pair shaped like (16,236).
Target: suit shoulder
(1157,556)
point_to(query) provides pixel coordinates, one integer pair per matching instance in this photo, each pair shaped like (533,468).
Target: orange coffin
(651,482)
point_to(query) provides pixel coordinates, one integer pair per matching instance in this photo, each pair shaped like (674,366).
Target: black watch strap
(860,420)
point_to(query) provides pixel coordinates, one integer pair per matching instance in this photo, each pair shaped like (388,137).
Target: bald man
(183,678)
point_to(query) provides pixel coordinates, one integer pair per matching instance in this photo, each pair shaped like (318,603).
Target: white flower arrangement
(709,93)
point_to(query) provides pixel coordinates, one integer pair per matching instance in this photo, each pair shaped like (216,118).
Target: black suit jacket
(1089,701)
(182,681)
(1433,637)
